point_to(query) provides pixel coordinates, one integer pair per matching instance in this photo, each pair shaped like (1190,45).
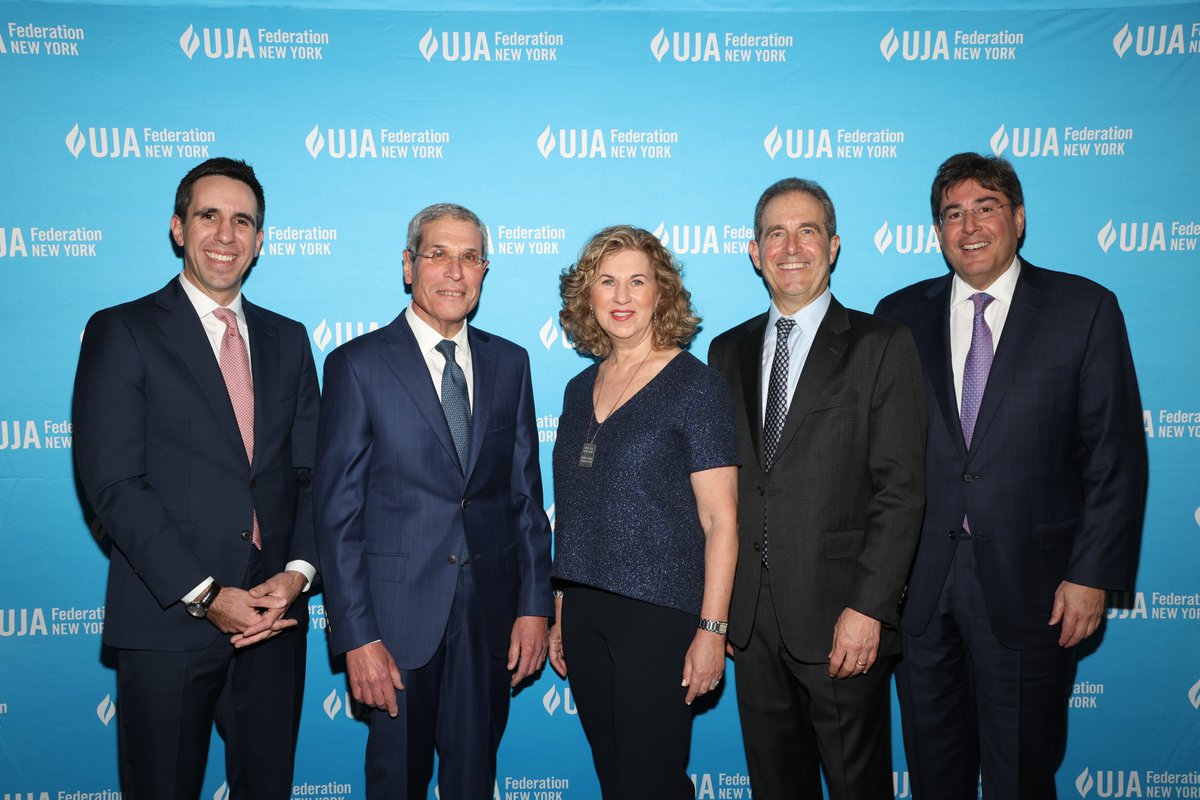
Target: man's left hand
(527,647)
(1080,609)
(855,644)
(285,586)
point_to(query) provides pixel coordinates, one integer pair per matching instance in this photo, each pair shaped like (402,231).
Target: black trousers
(167,702)
(625,664)
(796,720)
(967,701)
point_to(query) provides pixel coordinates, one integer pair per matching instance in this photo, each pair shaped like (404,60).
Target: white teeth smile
(219,256)
(974,246)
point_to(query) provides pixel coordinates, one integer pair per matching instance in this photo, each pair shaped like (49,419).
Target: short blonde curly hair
(675,321)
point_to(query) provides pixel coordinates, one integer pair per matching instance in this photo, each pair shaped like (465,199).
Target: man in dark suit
(196,454)
(831,426)
(430,522)
(1036,475)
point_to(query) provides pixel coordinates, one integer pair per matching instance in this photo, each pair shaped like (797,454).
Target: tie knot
(446,348)
(784,325)
(981,300)
(227,316)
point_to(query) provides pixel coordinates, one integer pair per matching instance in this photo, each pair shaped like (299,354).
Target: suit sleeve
(304,454)
(340,486)
(533,528)
(1112,447)
(896,460)
(110,443)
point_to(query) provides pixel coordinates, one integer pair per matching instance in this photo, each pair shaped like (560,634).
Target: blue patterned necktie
(455,403)
(979,363)
(777,402)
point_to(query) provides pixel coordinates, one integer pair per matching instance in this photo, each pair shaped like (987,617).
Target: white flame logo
(222,792)
(315,141)
(1193,693)
(883,238)
(550,515)
(551,701)
(332,704)
(661,234)
(659,45)
(999,140)
(189,42)
(322,335)
(1122,41)
(888,45)
(428,44)
(106,710)
(1084,782)
(549,333)
(74,141)
(1106,236)
(546,142)
(773,142)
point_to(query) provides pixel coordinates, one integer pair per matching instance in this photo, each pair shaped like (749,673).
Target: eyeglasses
(958,216)
(441,258)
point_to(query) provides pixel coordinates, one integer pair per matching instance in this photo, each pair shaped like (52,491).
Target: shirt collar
(428,338)
(807,318)
(1002,288)
(204,304)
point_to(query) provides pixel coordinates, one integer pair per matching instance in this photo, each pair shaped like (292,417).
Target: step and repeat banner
(551,125)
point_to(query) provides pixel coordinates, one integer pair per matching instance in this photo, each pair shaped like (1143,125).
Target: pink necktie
(235,368)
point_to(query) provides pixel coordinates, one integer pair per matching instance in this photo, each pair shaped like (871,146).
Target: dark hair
(990,172)
(225,167)
(787,186)
(675,321)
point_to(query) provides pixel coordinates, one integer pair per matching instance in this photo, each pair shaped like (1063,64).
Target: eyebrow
(810,224)
(978,200)
(200,212)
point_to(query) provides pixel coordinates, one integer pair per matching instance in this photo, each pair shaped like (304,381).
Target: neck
(623,355)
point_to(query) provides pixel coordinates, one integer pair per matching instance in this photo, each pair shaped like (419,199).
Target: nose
(454,270)
(225,232)
(969,223)
(621,293)
(792,245)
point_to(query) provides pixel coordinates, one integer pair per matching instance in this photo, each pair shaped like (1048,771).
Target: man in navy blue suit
(435,543)
(1036,484)
(196,450)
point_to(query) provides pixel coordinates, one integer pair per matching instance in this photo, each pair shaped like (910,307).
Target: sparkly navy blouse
(628,524)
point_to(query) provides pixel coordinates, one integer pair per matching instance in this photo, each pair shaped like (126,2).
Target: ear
(408,268)
(258,245)
(835,244)
(177,230)
(753,250)
(1019,215)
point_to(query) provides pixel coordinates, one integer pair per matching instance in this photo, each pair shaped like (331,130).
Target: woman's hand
(556,649)
(704,664)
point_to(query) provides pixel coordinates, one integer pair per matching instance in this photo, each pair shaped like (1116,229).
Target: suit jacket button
(465,502)
(451,559)
(245,536)
(757,547)
(253,483)
(968,477)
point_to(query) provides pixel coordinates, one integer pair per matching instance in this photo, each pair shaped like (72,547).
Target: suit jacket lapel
(829,343)
(483,365)
(186,335)
(264,363)
(407,362)
(750,359)
(933,342)
(1020,330)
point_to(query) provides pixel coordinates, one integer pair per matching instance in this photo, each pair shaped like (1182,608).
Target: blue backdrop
(551,124)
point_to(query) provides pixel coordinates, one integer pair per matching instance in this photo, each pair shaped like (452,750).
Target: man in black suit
(831,425)
(196,453)
(1036,475)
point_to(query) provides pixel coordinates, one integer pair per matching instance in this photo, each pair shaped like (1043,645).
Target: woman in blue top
(645,482)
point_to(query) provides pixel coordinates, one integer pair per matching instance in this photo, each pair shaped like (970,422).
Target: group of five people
(946,489)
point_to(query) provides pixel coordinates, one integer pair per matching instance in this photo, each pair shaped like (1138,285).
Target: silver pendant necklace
(587,453)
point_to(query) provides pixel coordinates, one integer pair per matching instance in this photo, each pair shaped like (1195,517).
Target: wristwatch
(713,626)
(198,608)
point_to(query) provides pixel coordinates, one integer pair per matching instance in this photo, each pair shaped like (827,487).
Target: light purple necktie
(979,363)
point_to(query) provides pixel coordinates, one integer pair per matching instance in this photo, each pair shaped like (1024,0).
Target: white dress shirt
(962,317)
(800,341)
(428,340)
(215,328)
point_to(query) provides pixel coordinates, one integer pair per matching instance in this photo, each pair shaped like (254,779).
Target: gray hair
(439,211)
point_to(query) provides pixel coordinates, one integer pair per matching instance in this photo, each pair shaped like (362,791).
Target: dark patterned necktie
(455,403)
(777,402)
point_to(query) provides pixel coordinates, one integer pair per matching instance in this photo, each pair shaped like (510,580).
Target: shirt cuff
(194,593)
(304,568)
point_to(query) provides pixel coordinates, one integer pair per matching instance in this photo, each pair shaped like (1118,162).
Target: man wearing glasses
(428,501)
(1035,482)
